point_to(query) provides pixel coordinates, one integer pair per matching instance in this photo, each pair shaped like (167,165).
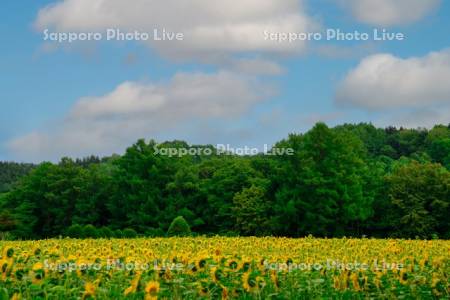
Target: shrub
(129,233)
(74,231)
(118,233)
(154,232)
(89,231)
(179,227)
(106,232)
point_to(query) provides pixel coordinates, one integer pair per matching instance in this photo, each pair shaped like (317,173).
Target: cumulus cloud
(384,81)
(108,123)
(410,89)
(256,66)
(389,12)
(212,28)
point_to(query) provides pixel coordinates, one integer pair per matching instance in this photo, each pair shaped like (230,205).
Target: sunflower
(216,274)
(37,251)
(134,285)
(5,265)
(247,282)
(377,282)
(89,290)
(274,278)
(224,292)
(151,290)
(336,283)
(16,296)
(355,281)
(434,280)
(201,262)
(8,252)
(19,273)
(38,273)
(403,277)
(203,288)
(232,264)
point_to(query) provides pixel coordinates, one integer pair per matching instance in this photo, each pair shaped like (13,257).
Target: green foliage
(106,232)
(89,231)
(10,172)
(118,234)
(152,232)
(129,233)
(179,227)
(348,180)
(251,211)
(420,194)
(75,231)
(322,187)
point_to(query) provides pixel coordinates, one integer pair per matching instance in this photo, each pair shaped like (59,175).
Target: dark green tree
(179,227)
(75,231)
(129,233)
(89,231)
(322,188)
(420,194)
(251,211)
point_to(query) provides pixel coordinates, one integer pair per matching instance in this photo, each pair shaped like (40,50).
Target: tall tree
(420,194)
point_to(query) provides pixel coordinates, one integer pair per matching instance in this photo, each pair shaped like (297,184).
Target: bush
(129,233)
(106,232)
(179,227)
(154,232)
(118,233)
(74,231)
(89,231)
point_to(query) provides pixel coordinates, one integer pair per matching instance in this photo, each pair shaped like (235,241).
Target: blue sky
(61,99)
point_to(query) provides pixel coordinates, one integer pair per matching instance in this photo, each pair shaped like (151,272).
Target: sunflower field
(225,268)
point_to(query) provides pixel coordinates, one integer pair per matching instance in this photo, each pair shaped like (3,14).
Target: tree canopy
(352,180)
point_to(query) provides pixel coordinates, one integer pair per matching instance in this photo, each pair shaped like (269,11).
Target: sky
(230,79)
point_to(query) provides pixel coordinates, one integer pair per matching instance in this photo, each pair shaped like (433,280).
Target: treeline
(10,172)
(350,180)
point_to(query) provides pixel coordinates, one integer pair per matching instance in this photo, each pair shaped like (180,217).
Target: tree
(224,177)
(106,232)
(95,192)
(138,183)
(129,233)
(347,180)
(89,231)
(118,234)
(75,231)
(184,197)
(420,194)
(11,172)
(179,227)
(250,211)
(322,186)
(439,150)
(373,138)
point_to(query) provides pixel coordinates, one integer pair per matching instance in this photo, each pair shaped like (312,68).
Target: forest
(349,180)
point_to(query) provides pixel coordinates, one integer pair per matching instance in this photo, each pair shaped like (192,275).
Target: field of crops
(224,268)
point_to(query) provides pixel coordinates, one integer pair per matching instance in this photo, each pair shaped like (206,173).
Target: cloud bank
(414,90)
(212,28)
(111,122)
(389,12)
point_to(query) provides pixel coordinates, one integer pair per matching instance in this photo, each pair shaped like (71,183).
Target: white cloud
(385,81)
(256,66)
(109,123)
(409,90)
(212,28)
(389,12)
